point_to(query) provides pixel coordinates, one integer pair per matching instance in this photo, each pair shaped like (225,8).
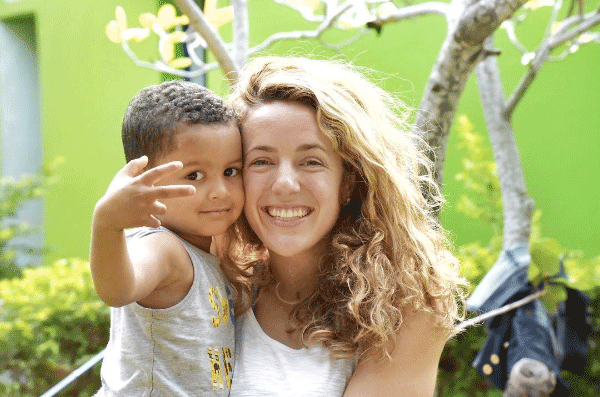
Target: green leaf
(534,275)
(583,274)
(545,254)
(555,295)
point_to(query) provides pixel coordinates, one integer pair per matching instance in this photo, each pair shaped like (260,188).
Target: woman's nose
(286,180)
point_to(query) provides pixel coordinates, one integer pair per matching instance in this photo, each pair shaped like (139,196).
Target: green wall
(556,125)
(87,82)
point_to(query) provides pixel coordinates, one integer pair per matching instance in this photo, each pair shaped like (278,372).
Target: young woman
(357,291)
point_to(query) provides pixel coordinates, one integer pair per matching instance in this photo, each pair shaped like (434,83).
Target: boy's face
(212,163)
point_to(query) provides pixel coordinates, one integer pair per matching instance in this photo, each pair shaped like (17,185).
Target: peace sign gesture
(133,200)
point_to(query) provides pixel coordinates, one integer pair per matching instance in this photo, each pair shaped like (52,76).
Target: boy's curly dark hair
(154,114)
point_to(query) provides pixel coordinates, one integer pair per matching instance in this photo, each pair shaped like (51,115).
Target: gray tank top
(184,350)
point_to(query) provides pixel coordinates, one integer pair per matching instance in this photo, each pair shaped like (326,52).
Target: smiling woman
(293,180)
(357,291)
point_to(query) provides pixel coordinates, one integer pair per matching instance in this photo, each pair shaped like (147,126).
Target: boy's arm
(131,200)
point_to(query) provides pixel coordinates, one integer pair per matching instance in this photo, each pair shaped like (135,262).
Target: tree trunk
(528,377)
(517,206)
(469,23)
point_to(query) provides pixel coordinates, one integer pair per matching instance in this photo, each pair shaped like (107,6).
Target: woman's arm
(412,371)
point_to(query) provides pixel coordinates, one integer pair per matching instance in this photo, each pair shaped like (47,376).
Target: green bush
(51,322)
(13,194)
(482,201)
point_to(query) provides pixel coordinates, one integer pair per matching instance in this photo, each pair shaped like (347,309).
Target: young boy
(171,323)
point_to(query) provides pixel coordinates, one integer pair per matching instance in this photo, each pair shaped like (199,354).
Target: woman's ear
(347,187)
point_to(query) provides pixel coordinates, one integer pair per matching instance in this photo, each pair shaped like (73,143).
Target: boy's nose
(219,189)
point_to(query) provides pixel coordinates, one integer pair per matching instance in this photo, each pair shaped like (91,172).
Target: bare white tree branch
(213,40)
(330,18)
(589,21)
(347,42)
(504,309)
(306,13)
(162,67)
(416,10)
(561,36)
(240,32)
(481,18)
(509,27)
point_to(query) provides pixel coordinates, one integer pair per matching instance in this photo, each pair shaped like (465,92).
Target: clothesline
(501,310)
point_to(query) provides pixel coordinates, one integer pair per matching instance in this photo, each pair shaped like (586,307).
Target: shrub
(51,322)
(482,201)
(13,194)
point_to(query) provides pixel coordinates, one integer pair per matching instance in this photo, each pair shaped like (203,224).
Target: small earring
(347,201)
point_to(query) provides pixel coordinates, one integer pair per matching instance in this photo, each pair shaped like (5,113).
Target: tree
(469,45)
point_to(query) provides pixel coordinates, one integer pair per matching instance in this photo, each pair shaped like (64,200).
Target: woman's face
(292,179)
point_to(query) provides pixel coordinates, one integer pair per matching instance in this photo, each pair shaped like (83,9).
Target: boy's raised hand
(132,200)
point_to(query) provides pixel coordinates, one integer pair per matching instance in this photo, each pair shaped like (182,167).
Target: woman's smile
(288,213)
(292,177)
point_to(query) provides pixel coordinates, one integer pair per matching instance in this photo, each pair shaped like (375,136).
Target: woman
(357,291)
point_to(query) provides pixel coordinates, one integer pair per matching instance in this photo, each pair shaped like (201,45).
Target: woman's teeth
(287,213)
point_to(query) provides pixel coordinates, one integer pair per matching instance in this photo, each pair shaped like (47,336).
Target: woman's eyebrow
(310,146)
(261,148)
(302,148)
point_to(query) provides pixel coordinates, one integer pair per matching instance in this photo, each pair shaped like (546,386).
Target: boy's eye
(231,172)
(194,176)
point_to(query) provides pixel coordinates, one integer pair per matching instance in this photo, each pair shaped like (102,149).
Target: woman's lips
(287,213)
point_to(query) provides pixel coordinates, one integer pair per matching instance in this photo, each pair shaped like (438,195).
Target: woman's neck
(295,278)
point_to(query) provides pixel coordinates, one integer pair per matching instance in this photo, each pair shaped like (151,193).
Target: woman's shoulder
(411,367)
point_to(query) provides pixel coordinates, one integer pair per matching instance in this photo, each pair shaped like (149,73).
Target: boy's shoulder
(157,244)
(139,232)
(151,235)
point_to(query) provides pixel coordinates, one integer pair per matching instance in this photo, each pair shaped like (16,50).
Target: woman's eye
(231,172)
(260,162)
(194,176)
(313,162)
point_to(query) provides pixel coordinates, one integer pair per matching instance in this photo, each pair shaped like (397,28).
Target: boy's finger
(155,174)
(135,166)
(173,191)
(153,221)
(159,208)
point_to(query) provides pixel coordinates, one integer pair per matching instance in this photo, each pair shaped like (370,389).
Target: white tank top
(266,367)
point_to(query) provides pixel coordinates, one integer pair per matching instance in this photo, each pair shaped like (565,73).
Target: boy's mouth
(216,211)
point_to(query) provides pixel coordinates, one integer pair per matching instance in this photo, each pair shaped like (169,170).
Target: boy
(171,324)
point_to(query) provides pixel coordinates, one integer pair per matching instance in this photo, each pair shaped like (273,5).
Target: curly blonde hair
(388,252)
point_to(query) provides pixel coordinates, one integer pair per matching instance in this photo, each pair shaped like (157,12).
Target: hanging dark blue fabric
(527,332)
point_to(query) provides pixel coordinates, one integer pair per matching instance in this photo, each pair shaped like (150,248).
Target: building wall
(86,83)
